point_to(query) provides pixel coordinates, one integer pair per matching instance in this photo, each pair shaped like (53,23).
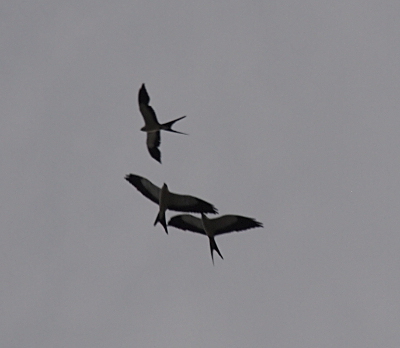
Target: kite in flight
(152,127)
(168,200)
(213,227)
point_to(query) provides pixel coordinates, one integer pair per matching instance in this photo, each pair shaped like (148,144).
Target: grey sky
(293,119)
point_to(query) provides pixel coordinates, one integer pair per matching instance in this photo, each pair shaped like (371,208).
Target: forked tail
(214,246)
(168,126)
(162,221)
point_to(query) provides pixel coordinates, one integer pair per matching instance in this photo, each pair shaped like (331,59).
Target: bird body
(163,204)
(168,200)
(213,227)
(152,127)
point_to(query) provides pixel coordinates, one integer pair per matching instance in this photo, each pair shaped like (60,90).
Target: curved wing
(146,110)
(187,222)
(143,97)
(153,142)
(145,187)
(189,204)
(232,223)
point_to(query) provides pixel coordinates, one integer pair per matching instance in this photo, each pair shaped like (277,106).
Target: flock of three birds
(183,203)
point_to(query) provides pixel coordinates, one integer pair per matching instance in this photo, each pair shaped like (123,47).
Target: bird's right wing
(145,187)
(231,223)
(187,222)
(189,204)
(153,142)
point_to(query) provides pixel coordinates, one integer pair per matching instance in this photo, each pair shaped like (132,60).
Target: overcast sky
(293,115)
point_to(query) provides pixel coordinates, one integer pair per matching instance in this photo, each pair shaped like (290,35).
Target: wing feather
(145,187)
(231,223)
(190,204)
(143,97)
(146,110)
(187,222)
(153,142)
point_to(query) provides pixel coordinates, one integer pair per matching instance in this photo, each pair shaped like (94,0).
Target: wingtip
(258,224)
(129,177)
(135,180)
(155,153)
(142,87)
(212,210)
(143,97)
(158,159)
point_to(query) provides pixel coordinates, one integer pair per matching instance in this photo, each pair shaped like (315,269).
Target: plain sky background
(293,115)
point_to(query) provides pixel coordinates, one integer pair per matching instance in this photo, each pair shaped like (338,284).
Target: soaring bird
(213,227)
(168,200)
(152,127)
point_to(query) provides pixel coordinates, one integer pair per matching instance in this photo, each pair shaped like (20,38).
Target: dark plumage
(168,200)
(213,227)
(152,127)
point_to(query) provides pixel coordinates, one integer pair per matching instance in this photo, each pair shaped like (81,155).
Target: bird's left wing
(153,142)
(187,222)
(144,186)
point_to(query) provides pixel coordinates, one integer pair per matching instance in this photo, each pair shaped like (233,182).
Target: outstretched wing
(189,204)
(143,97)
(145,187)
(187,222)
(232,223)
(146,110)
(153,142)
